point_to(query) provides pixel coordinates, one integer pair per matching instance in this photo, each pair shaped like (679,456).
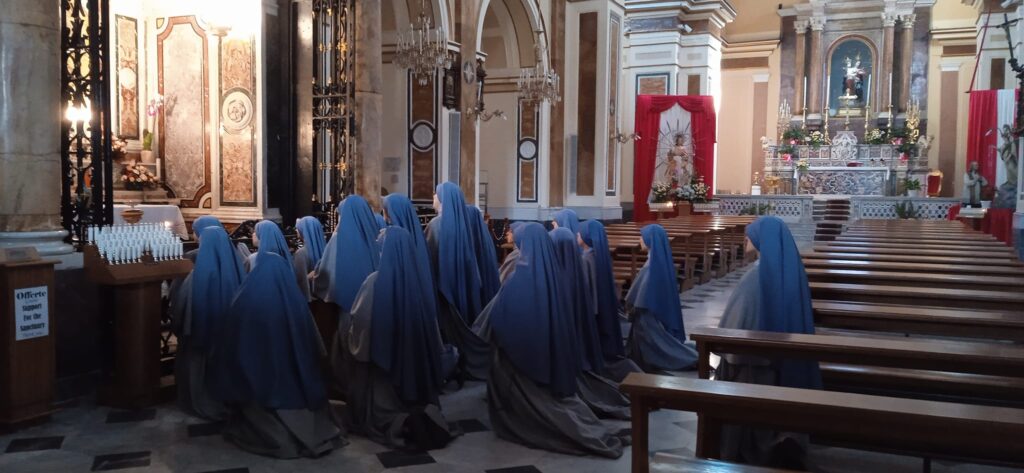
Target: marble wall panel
(238,123)
(182,63)
(528,151)
(586,108)
(127,76)
(652,84)
(422,138)
(614,55)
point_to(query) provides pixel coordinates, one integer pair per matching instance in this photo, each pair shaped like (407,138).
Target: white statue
(974,182)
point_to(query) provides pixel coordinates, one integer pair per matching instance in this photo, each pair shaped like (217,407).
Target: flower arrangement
(815,138)
(876,136)
(803,165)
(793,135)
(700,190)
(136,177)
(911,184)
(900,139)
(682,193)
(660,192)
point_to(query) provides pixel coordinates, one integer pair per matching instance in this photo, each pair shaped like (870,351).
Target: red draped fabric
(648,120)
(982,133)
(953,212)
(999,223)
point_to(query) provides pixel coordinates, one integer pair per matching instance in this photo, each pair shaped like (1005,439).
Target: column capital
(889,19)
(801,26)
(817,23)
(907,21)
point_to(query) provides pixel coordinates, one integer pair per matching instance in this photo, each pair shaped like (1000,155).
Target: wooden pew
(953,247)
(825,253)
(932,268)
(924,320)
(973,372)
(870,275)
(669,463)
(931,428)
(844,238)
(974,254)
(924,296)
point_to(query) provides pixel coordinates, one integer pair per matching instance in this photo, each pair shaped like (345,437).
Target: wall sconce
(477,112)
(623,139)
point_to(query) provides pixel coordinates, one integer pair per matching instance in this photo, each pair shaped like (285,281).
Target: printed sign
(31,313)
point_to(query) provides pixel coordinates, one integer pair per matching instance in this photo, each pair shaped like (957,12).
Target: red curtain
(982,133)
(648,120)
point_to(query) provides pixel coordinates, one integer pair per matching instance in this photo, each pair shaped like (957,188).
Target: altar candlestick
(867,93)
(828,94)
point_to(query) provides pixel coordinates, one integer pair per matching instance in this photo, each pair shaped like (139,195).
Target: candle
(890,89)
(805,94)
(828,94)
(867,93)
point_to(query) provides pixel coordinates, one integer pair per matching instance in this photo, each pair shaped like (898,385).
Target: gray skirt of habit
(284,433)
(528,414)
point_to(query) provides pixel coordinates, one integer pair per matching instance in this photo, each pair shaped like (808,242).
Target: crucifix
(1019,69)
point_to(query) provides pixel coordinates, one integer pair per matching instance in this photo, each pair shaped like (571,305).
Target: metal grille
(87,196)
(334,133)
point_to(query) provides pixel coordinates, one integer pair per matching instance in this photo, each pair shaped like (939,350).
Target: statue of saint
(678,164)
(973,183)
(854,78)
(1006,195)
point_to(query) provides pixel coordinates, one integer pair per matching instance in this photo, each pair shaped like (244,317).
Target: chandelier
(423,49)
(539,83)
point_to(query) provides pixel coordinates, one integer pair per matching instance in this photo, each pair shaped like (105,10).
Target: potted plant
(791,138)
(900,139)
(913,187)
(147,147)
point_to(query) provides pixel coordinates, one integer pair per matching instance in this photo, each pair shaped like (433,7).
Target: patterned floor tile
(34,444)
(120,461)
(398,458)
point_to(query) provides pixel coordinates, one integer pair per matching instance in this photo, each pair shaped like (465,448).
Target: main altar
(844,167)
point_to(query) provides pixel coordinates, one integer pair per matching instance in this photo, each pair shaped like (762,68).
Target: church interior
(512,236)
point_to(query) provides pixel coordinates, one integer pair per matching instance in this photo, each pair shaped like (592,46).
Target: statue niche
(850,83)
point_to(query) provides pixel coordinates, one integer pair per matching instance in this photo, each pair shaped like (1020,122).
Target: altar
(843,167)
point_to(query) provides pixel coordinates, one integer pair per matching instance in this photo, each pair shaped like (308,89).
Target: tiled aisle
(91,438)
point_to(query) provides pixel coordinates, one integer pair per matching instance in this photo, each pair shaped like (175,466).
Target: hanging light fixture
(539,83)
(423,49)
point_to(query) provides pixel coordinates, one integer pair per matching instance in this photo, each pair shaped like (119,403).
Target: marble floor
(85,437)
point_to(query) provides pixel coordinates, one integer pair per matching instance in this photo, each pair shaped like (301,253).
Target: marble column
(885,71)
(801,67)
(556,169)
(906,59)
(30,126)
(369,101)
(468,15)
(815,79)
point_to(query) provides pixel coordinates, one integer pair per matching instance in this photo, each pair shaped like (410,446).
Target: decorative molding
(889,19)
(761,77)
(801,26)
(817,23)
(951,65)
(907,21)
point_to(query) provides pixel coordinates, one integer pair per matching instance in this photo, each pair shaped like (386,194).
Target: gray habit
(190,362)
(745,444)
(284,433)
(373,408)
(525,413)
(615,369)
(651,346)
(474,353)
(509,265)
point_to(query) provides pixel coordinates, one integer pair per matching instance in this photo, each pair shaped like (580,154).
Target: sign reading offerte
(31,313)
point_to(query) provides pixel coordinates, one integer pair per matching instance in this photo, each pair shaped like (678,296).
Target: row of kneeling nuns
(416,309)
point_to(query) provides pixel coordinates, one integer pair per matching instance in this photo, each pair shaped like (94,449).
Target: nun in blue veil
(268,369)
(566,218)
(198,225)
(457,279)
(600,393)
(306,258)
(486,255)
(532,388)
(657,339)
(509,265)
(398,210)
(597,266)
(351,254)
(391,350)
(198,311)
(772,296)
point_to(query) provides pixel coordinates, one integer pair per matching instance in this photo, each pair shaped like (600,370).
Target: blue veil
(457,274)
(593,234)
(785,294)
(272,356)
(215,279)
(531,317)
(272,240)
(577,291)
(313,239)
(404,337)
(357,254)
(566,218)
(201,223)
(486,255)
(402,214)
(658,292)
(381,223)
